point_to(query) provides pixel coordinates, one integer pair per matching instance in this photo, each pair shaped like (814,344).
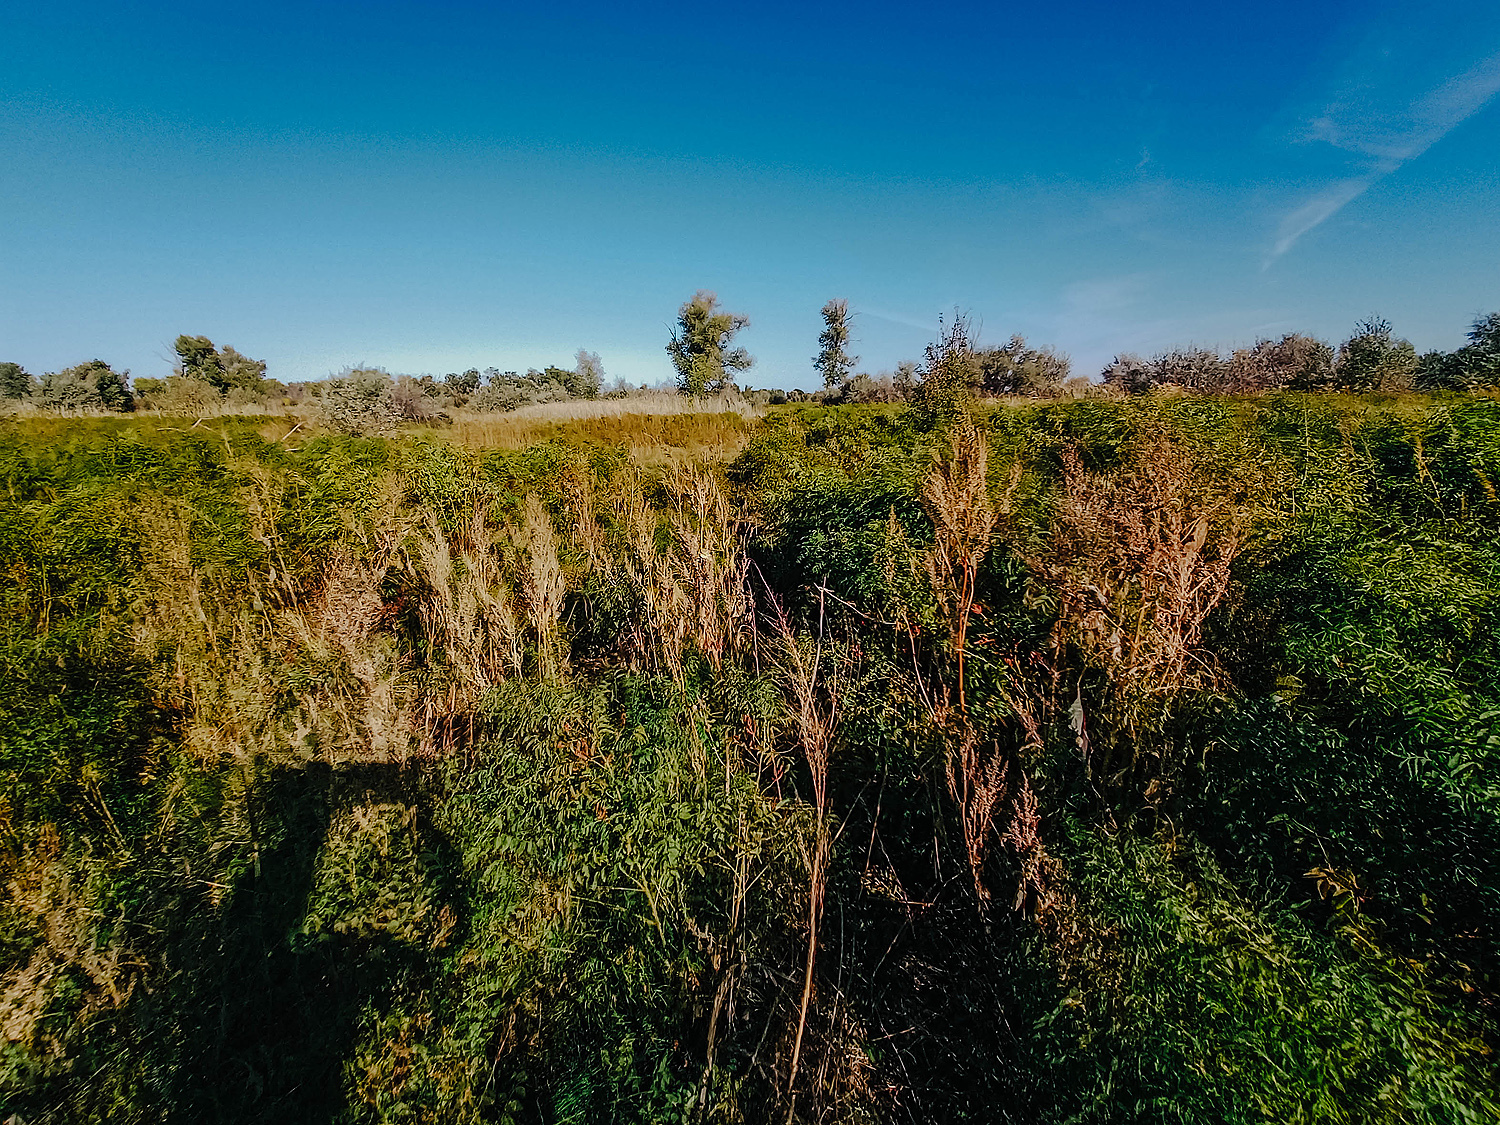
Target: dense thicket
(1091,761)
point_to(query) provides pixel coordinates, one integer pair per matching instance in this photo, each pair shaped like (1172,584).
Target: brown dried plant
(576,482)
(690,583)
(350,613)
(976,781)
(44,890)
(541,583)
(1038,889)
(956,497)
(815,718)
(467,612)
(338,623)
(224,671)
(1138,558)
(660,630)
(709,561)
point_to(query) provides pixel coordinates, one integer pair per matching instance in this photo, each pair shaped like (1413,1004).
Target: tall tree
(198,358)
(588,374)
(224,369)
(1128,373)
(15,381)
(701,345)
(905,378)
(1300,362)
(1192,368)
(94,385)
(950,358)
(949,372)
(240,371)
(1373,360)
(1481,355)
(1471,367)
(465,384)
(833,359)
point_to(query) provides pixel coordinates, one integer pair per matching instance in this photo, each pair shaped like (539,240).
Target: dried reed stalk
(467,609)
(956,497)
(976,781)
(541,583)
(691,583)
(815,715)
(348,613)
(709,562)
(662,628)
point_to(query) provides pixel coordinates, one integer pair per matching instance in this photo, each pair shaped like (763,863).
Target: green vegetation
(700,348)
(15,381)
(209,381)
(88,386)
(1077,761)
(833,360)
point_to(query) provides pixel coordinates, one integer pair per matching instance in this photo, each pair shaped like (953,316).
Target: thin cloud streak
(1390,139)
(930,327)
(1319,209)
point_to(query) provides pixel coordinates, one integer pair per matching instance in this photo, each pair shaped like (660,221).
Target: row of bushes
(956,366)
(1372,359)
(211,379)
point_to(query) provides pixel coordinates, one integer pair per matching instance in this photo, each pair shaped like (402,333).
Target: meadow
(1077,760)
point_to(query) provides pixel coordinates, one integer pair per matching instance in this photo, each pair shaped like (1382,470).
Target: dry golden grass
(691,588)
(69,955)
(1139,559)
(655,429)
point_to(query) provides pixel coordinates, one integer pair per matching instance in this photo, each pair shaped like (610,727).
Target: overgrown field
(1093,761)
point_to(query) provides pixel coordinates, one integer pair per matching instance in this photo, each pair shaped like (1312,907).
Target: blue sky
(432,186)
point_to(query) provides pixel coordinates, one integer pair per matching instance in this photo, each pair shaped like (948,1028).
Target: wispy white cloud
(1387,136)
(1320,207)
(928,326)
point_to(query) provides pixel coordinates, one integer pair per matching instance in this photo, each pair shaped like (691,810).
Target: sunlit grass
(652,428)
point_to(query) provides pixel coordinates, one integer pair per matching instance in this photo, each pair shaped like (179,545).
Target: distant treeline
(954,366)
(1371,359)
(206,377)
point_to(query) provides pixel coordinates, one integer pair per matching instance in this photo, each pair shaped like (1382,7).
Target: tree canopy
(1373,360)
(588,374)
(15,381)
(701,345)
(223,368)
(833,360)
(1015,368)
(94,385)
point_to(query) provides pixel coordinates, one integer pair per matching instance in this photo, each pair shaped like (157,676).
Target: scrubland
(1062,761)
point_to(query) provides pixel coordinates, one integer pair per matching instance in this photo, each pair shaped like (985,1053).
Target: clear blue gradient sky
(433,186)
